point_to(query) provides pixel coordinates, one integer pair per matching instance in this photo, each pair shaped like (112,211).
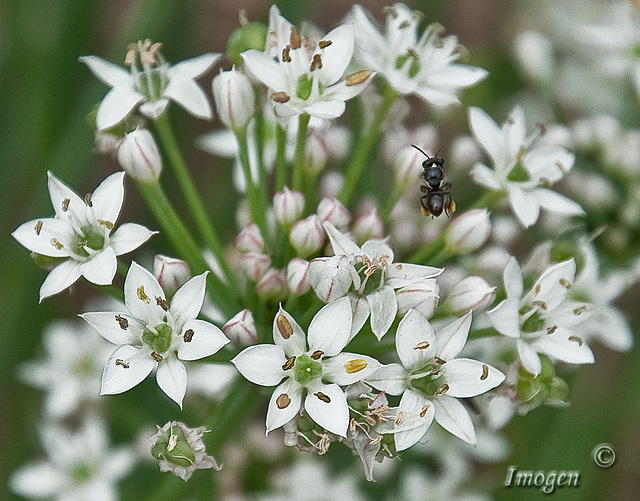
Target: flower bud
(470,293)
(330,277)
(298,276)
(316,154)
(241,329)
(407,165)
(248,36)
(234,98)
(330,209)
(288,205)
(139,156)
(250,239)
(180,450)
(307,236)
(273,285)
(422,296)
(368,226)
(255,265)
(468,232)
(171,273)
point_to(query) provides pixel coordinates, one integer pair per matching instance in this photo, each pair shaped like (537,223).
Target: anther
(404,24)
(286,54)
(565,283)
(188,335)
(561,167)
(376,440)
(485,372)
(316,63)
(142,296)
(439,360)
(87,200)
(537,289)
(577,339)
(38,227)
(122,363)
(390,11)
(423,411)
(542,127)
(316,355)
(289,363)
(163,303)
(295,39)
(56,243)
(65,204)
(122,322)
(280,97)
(283,401)
(284,327)
(413,54)
(443,389)
(580,310)
(541,304)
(399,418)
(355,365)
(323,397)
(107,224)
(422,345)
(323,44)
(552,329)
(156,356)
(357,78)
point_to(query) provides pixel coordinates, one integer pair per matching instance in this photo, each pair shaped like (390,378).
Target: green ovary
(159,339)
(306,370)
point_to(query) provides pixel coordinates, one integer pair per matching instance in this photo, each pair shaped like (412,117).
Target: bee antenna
(443,146)
(421,151)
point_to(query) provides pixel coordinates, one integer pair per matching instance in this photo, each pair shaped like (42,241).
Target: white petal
(453,417)
(108,197)
(265,69)
(296,343)
(553,285)
(118,378)
(383,306)
(453,337)
(487,133)
(505,318)
(389,378)
(554,202)
(119,102)
(330,278)
(128,237)
(484,176)
(38,480)
(187,301)
(529,358)
(63,197)
(188,94)
(37,235)
(415,340)
(403,274)
(261,364)
(341,244)
(140,292)
(106,71)
(360,309)
(459,76)
(419,413)
(281,410)
(109,325)
(512,276)
(101,268)
(172,379)
(609,326)
(196,66)
(468,378)
(524,205)
(153,109)
(330,328)
(348,368)
(337,56)
(564,345)
(326,109)
(206,340)
(60,278)
(333,415)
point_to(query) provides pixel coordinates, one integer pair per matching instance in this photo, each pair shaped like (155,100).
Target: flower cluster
(381,327)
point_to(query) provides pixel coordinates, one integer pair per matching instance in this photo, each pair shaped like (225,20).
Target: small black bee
(437,197)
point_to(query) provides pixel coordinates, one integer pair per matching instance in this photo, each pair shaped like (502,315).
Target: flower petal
(403,274)
(118,103)
(468,378)
(415,340)
(129,237)
(505,318)
(261,364)
(348,368)
(187,301)
(265,69)
(341,244)
(120,377)
(285,403)
(552,287)
(418,414)
(391,378)
(140,292)
(37,235)
(38,480)
(288,335)
(564,345)
(529,358)
(172,378)
(109,324)
(101,268)
(60,278)
(554,202)
(383,306)
(330,277)
(487,133)
(106,71)
(330,328)
(512,277)
(204,339)
(454,417)
(326,109)
(337,56)
(196,66)
(524,205)
(330,409)
(188,94)
(108,197)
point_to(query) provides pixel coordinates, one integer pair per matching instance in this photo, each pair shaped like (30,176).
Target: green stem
(396,194)
(281,158)
(301,145)
(365,146)
(194,202)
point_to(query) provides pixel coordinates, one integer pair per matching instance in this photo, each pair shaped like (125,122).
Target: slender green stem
(301,145)
(281,158)
(396,194)
(194,202)
(425,253)
(364,147)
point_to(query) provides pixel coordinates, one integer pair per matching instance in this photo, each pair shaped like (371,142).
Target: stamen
(422,345)
(577,339)
(295,39)
(323,44)
(156,356)
(551,330)
(56,243)
(376,440)
(188,335)
(355,365)
(142,296)
(280,97)
(485,372)
(87,200)
(390,11)
(284,327)
(38,227)
(542,127)
(561,167)
(173,441)
(522,151)
(439,360)
(289,363)
(163,303)
(404,24)
(65,204)
(316,63)
(423,411)
(323,397)
(541,304)
(413,54)
(283,401)
(357,78)
(286,56)
(580,310)
(316,355)
(122,322)
(122,363)
(400,418)
(537,289)
(565,283)
(107,224)
(443,389)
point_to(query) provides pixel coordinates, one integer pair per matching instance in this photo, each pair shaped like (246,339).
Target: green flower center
(414,65)
(518,174)
(306,370)
(81,473)
(173,446)
(428,380)
(158,338)
(534,323)
(152,82)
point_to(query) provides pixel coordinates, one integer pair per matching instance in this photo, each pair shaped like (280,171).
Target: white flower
(139,156)
(373,274)
(317,368)
(422,66)
(155,333)
(431,378)
(543,321)
(152,82)
(305,74)
(521,168)
(70,373)
(234,98)
(80,466)
(80,234)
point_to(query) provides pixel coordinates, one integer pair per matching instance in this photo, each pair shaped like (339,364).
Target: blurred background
(45,94)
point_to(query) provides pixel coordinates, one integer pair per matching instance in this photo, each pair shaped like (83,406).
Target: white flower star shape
(373,274)
(312,373)
(155,333)
(305,73)
(430,379)
(522,168)
(543,321)
(422,66)
(80,234)
(151,83)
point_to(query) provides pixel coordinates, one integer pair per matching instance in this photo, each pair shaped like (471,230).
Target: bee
(437,194)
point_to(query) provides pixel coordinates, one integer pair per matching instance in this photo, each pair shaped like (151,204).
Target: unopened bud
(288,206)
(298,276)
(273,285)
(307,236)
(241,329)
(470,293)
(171,273)
(422,296)
(250,239)
(316,154)
(139,156)
(368,226)
(255,265)
(248,36)
(330,277)
(468,232)
(234,98)
(330,209)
